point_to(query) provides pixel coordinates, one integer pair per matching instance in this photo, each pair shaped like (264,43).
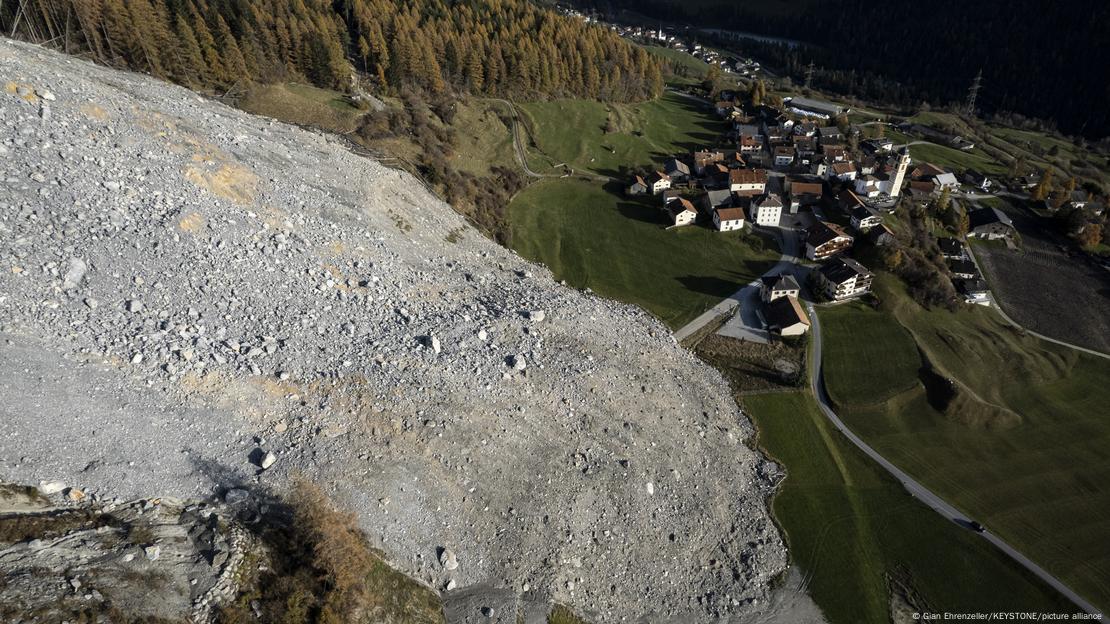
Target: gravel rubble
(193,298)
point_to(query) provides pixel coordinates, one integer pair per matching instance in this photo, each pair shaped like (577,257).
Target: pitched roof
(747,176)
(682,205)
(950,246)
(926,170)
(840,270)
(784,312)
(771,200)
(783,281)
(987,216)
(730,214)
(879,231)
(843,167)
(963,266)
(806,188)
(946,179)
(677,166)
(823,232)
(719,197)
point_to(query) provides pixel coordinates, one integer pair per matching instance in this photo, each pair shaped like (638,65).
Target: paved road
(913,487)
(787,262)
(1006,317)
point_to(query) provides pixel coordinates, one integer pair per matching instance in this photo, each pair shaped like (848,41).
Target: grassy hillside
(860,538)
(685,68)
(593,236)
(574,132)
(1019,441)
(869,357)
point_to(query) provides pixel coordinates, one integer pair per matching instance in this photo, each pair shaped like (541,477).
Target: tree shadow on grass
(641,212)
(709,285)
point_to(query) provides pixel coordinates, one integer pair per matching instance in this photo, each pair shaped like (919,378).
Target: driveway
(746,324)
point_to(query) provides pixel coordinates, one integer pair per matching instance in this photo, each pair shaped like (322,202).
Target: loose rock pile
(192,297)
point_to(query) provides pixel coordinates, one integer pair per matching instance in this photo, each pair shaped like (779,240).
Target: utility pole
(809,75)
(973,93)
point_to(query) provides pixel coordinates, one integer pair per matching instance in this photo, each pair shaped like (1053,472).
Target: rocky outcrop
(116,561)
(193,298)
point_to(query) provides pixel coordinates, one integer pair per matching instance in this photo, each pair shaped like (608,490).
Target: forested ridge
(1041,59)
(489,47)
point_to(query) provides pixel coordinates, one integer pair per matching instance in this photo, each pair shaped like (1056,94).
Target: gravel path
(189,293)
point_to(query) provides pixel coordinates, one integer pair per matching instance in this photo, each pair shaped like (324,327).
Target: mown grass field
(859,538)
(592,236)
(870,357)
(1024,443)
(956,160)
(573,132)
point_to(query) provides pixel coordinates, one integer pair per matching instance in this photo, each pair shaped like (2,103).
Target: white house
(747,182)
(682,212)
(659,182)
(784,155)
(786,317)
(868,186)
(767,210)
(775,286)
(864,218)
(946,180)
(843,171)
(727,219)
(844,278)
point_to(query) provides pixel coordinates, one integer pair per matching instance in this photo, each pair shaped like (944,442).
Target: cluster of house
(730,193)
(965,273)
(670,37)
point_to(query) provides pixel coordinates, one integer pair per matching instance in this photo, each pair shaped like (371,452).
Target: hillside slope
(185,288)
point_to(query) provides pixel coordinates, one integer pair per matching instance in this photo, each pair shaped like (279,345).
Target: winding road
(789,262)
(936,503)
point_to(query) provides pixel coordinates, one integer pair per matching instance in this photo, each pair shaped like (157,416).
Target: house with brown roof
(834,153)
(659,182)
(749,143)
(803,192)
(881,235)
(785,317)
(843,171)
(727,219)
(703,159)
(681,212)
(638,186)
(825,240)
(747,182)
(784,155)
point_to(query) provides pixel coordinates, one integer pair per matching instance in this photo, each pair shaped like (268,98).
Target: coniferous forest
(496,47)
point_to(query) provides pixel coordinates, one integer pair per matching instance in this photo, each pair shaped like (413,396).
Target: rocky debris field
(64,558)
(193,298)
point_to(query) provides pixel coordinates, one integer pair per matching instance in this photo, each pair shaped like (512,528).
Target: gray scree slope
(184,287)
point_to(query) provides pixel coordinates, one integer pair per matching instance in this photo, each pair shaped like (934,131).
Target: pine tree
(189,67)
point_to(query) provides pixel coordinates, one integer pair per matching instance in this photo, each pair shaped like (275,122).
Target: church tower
(899,172)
